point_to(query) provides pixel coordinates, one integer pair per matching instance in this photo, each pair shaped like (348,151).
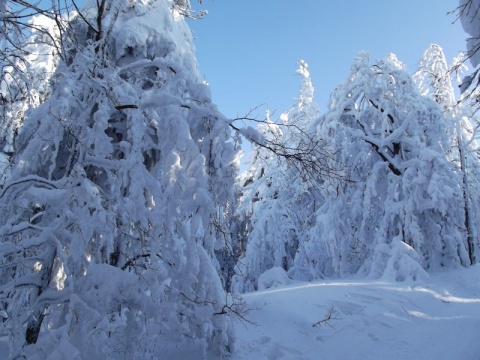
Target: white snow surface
(273,277)
(434,319)
(438,319)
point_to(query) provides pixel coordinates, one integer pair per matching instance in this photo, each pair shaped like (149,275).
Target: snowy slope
(435,320)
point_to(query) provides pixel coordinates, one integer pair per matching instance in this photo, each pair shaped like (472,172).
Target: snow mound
(273,278)
(397,262)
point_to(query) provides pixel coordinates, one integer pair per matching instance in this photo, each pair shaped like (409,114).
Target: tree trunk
(468,220)
(36,318)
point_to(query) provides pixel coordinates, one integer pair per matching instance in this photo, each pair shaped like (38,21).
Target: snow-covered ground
(434,320)
(438,319)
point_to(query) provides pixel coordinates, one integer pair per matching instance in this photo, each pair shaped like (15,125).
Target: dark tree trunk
(36,319)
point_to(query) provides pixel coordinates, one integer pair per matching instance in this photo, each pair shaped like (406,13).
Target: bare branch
(330,316)
(310,156)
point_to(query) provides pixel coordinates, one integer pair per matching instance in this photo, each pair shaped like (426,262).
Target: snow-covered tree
(267,229)
(277,197)
(121,182)
(468,11)
(24,80)
(469,166)
(399,208)
(297,146)
(433,77)
(304,109)
(434,80)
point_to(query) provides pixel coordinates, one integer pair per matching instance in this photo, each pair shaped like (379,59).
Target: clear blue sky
(248,49)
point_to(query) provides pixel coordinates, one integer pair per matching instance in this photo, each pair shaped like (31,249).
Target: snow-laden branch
(30,178)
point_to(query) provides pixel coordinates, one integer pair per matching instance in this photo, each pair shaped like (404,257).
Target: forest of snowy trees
(126,222)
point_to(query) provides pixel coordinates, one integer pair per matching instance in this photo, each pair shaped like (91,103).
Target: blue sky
(248,49)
